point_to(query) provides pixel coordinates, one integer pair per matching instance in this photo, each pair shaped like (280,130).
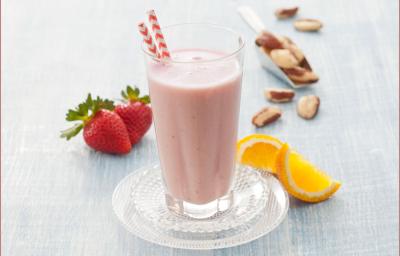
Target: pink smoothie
(196,109)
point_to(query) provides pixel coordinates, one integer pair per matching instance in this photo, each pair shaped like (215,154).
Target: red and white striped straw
(158,35)
(148,39)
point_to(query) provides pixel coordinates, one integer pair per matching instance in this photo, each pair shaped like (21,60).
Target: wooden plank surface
(56,195)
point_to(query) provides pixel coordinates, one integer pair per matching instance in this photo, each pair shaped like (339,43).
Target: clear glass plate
(260,205)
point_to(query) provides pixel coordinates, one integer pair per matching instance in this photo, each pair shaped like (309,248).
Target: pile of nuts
(307,106)
(285,53)
(287,56)
(291,60)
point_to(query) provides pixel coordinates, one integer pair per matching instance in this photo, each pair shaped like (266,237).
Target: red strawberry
(103,130)
(136,113)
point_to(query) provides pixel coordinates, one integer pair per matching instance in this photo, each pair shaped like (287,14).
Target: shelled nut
(307,24)
(296,52)
(268,40)
(266,116)
(301,75)
(307,107)
(284,13)
(284,58)
(278,95)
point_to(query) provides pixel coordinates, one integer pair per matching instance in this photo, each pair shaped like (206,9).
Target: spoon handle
(251,18)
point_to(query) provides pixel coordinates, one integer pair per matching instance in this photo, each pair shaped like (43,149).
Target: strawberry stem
(85,112)
(132,95)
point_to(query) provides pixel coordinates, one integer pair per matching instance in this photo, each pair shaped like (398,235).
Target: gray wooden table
(56,195)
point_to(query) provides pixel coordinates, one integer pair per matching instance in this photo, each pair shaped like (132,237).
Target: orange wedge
(301,179)
(258,151)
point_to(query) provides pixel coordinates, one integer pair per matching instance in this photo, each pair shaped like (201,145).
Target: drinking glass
(195,98)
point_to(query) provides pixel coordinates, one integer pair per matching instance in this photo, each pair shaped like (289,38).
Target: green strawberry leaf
(145,99)
(132,95)
(85,112)
(74,115)
(124,95)
(99,103)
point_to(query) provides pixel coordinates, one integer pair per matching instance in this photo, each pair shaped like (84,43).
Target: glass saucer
(260,205)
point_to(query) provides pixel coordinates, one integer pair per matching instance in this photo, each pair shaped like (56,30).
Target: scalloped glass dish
(260,205)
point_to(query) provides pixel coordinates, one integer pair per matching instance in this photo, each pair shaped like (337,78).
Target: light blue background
(56,195)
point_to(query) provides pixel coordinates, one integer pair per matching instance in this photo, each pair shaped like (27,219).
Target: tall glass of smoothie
(195,97)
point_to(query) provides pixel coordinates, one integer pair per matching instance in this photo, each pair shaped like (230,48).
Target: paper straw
(148,39)
(158,35)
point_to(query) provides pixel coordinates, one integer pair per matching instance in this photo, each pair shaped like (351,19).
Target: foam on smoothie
(201,72)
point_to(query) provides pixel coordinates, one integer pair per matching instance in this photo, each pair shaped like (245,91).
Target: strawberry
(103,129)
(135,113)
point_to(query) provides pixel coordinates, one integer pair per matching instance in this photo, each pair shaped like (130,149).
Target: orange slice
(301,179)
(258,151)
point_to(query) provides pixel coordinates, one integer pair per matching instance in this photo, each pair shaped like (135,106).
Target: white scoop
(254,21)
